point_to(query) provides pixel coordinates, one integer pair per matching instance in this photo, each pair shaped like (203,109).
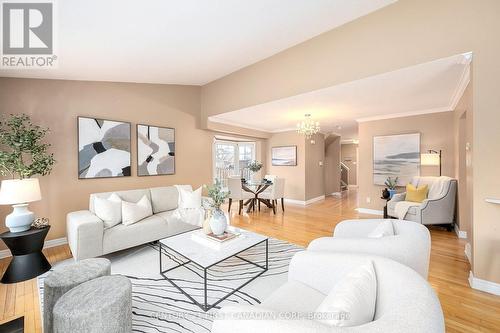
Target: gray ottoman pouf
(66,277)
(102,305)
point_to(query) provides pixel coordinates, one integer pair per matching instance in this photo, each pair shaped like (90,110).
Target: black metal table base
(205,306)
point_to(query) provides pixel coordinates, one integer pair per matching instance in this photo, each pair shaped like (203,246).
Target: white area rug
(160,307)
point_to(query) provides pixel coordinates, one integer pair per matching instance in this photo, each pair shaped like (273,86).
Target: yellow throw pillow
(415,194)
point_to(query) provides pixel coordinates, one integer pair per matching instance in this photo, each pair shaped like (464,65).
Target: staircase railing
(344,176)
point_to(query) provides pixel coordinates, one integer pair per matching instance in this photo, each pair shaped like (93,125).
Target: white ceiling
(424,88)
(184,41)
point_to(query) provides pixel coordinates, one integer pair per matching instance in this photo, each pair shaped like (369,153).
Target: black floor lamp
(431,158)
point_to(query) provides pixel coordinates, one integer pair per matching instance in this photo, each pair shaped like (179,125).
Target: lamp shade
(429,159)
(18,191)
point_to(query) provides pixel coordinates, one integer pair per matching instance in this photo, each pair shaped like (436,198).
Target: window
(232,159)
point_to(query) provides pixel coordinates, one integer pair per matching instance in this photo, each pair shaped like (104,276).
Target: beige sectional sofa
(87,236)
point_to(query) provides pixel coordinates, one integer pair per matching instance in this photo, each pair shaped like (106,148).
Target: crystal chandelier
(308,127)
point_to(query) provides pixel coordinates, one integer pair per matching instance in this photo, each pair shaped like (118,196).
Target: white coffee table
(205,257)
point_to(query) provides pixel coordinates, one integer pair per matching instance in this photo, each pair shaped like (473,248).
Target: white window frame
(236,145)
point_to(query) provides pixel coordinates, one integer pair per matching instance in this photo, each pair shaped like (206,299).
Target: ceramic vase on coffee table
(218,222)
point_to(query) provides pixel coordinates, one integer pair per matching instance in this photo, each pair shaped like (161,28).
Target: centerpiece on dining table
(254,166)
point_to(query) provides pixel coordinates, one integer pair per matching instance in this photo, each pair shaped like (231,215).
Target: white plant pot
(218,222)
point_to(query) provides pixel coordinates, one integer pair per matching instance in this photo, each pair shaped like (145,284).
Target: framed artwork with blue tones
(155,150)
(103,148)
(396,156)
(284,156)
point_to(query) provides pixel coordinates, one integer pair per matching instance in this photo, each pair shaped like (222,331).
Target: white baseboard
(370,211)
(484,285)
(310,201)
(304,203)
(352,186)
(295,202)
(336,194)
(46,245)
(460,233)
(468,252)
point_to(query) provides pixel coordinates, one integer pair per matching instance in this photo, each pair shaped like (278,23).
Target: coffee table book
(212,241)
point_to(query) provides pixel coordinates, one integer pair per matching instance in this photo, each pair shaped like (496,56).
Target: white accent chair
(270,177)
(410,245)
(438,208)
(276,193)
(405,301)
(237,193)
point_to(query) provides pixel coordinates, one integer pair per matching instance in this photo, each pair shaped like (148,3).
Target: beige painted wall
(436,132)
(332,164)
(463,160)
(348,155)
(56,104)
(315,180)
(295,176)
(304,181)
(405,33)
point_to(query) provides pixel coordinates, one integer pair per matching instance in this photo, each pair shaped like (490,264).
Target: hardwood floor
(465,309)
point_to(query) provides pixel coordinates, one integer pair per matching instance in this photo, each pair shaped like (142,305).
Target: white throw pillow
(189,199)
(134,212)
(352,300)
(384,229)
(109,210)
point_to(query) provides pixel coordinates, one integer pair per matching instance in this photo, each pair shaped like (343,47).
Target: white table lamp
(18,192)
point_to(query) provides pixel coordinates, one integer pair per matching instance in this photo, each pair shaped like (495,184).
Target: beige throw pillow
(384,229)
(109,210)
(352,300)
(134,212)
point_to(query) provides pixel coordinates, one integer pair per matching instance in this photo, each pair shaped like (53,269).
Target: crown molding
(236,124)
(404,114)
(460,89)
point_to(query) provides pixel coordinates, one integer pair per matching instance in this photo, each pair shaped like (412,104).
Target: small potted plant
(254,167)
(218,220)
(391,184)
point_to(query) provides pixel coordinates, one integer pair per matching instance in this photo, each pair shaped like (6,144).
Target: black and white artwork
(155,150)
(103,148)
(396,156)
(284,156)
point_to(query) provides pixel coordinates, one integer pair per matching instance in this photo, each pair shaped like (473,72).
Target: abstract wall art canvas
(103,148)
(284,156)
(396,156)
(155,150)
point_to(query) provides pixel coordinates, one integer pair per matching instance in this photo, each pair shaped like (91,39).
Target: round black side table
(28,260)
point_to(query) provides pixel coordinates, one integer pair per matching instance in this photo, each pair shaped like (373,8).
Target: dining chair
(277,192)
(237,193)
(270,177)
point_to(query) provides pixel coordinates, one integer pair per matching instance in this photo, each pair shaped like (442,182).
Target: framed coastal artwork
(155,150)
(103,148)
(284,156)
(396,156)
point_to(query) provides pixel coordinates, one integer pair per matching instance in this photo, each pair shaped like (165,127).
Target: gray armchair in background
(438,208)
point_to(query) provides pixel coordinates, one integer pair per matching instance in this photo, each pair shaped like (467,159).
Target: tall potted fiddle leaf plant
(23,154)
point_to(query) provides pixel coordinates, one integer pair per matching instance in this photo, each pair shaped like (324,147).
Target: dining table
(256,187)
